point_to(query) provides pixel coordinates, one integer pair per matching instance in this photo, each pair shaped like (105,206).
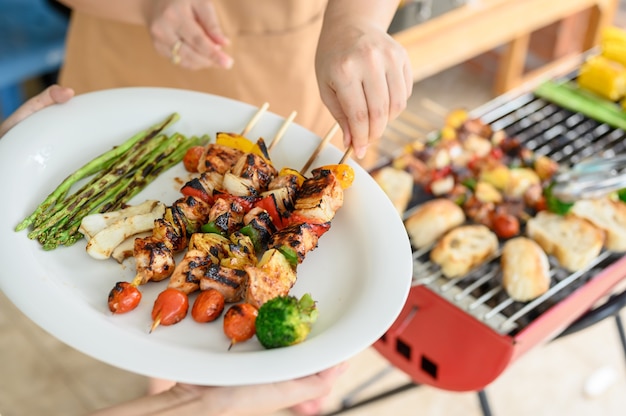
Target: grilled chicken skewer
(243,179)
(231,268)
(154,255)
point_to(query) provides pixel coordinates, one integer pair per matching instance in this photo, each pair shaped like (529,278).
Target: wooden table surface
(483,25)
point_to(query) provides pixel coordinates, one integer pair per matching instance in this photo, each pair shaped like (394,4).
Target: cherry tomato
(170,307)
(192,158)
(541,204)
(505,225)
(124,297)
(239,322)
(208,305)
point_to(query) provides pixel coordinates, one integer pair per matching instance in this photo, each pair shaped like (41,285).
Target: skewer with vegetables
(266,200)
(281,240)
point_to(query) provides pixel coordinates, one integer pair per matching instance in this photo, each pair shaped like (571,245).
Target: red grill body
(437,342)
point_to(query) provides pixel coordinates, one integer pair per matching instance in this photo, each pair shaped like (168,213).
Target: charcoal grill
(461,334)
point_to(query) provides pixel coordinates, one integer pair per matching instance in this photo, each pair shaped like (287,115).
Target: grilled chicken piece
(255,169)
(284,188)
(272,277)
(300,237)
(214,261)
(229,282)
(190,270)
(227,214)
(319,198)
(173,236)
(154,261)
(219,158)
(194,210)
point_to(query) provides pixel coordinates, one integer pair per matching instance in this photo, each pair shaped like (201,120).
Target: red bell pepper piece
(268,203)
(194,188)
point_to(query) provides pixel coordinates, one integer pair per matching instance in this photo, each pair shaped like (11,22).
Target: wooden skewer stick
(255,118)
(319,148)
(281,131)
(434,107)
(346,155)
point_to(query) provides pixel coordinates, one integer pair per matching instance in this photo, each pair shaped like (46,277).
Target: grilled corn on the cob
(604,77)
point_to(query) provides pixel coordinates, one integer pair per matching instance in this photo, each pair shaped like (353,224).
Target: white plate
(359,274)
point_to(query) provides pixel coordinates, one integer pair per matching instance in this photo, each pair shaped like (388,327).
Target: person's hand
(188,32)
(365,79)
(54,94)
(263,399)
(266,399)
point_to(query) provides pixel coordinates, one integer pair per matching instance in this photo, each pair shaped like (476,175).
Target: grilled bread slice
(397,185)
(608,215)
(463,248)
(573,241)
(431,220)
(525,269)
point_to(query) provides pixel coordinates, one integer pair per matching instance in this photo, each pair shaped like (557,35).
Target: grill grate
(567,138)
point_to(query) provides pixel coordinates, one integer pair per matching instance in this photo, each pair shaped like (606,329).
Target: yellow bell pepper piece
(289,171)
(343,172)
(239,142)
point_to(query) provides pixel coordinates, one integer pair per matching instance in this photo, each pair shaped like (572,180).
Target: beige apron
(272,42)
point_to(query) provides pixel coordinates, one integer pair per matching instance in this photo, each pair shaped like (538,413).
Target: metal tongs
(592,178)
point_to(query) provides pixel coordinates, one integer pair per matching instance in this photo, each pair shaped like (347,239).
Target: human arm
(364,75)
(52,95)
(194,22)
(263,399)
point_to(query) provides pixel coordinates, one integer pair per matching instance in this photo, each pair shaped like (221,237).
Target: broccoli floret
(285,320)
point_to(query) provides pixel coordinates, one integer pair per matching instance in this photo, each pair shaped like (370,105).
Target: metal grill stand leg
(484,403)
(620,330)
